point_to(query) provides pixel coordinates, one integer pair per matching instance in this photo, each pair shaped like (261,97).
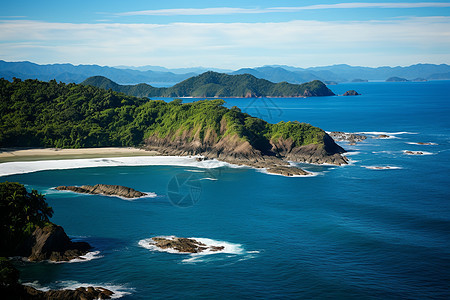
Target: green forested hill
(213,84)
(51,114)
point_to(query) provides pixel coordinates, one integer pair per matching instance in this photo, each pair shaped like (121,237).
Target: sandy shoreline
(35,154)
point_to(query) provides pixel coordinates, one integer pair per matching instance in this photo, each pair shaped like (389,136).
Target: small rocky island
(351,138)
(103,189)
(408,152)
(351,93)
(183,245)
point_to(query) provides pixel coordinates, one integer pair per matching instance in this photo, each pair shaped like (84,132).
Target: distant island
(51,114)
(396,79)
(213,85)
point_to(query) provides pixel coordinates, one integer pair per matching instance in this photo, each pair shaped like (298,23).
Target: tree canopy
(20,212)
(51,114)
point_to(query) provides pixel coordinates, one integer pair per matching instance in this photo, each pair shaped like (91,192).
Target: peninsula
(56,115)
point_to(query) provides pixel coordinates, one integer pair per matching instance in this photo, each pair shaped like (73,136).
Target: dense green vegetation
(212,84)
(51,114)
(20,212)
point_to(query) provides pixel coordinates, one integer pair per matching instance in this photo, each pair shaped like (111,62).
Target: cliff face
(327,152)
(261,151)
(52,243)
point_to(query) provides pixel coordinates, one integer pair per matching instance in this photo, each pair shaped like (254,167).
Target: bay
(349,232)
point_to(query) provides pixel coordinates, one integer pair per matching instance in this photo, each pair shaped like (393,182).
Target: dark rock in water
(287,171)
(81,293)
(413,152)
(351,138)
(351,93)
(183,245)
(104,189)
(381,136)
(52,243)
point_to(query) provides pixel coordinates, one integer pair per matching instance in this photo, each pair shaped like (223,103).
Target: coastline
(22,167)
(15,161)
(38,154)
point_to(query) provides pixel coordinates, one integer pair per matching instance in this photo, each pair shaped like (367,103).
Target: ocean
(378,228)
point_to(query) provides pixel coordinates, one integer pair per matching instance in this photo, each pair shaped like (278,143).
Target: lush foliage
(9,275)
(212,84)
(51,114)
(20,213)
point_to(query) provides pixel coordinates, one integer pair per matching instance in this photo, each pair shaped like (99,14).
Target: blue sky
(226,34)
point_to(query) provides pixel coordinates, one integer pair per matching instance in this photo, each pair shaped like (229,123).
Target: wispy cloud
(230,45)
(237,10)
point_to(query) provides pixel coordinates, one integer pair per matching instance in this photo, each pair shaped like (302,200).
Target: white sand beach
(34,154)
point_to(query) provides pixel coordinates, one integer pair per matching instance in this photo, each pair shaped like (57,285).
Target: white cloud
(230,45)
(236,10)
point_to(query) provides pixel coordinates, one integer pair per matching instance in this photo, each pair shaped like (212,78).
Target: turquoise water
(347,233)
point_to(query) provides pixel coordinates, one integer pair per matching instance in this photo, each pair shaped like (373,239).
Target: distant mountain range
(163,77)
(70,73)
(213,85)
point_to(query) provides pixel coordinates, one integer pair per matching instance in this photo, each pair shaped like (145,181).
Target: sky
(226,34)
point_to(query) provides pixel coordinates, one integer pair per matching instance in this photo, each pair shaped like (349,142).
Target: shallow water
(350,232)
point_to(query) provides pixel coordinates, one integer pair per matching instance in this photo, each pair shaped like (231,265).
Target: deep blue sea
(351,232)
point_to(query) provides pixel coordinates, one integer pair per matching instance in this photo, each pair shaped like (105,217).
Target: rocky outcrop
(184,245)
(18,291)
(351,93)
(52,243)
(287,171)
(103,189)
(381,136)
(234,150)
(351,138)
(413,152)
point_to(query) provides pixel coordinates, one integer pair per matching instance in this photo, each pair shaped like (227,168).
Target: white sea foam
(228,248)
(387,152)
(11,168)
(83,258)
(264,170)
(422,144)
(118,290)
(385,133)
(351,153)
(382,167)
